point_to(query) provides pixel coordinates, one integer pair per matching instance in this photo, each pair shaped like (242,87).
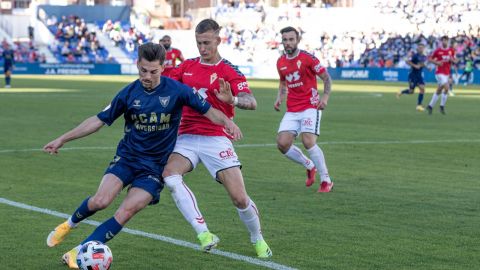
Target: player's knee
(241,202)
(283,146)
(100,202)
(168,171)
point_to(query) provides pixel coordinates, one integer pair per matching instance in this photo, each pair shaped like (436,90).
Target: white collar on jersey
(298,52)
(207,64)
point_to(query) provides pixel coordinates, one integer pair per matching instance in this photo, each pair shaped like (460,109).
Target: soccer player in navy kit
(152,108)
(8,61)
(415,77)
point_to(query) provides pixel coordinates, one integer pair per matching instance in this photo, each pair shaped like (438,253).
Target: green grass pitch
(406,195)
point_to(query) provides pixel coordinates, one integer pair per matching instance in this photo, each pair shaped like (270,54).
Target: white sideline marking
(238,257)
(4,151)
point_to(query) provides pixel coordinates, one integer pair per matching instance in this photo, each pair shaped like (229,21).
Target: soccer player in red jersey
(200,140)
(298,72)
(173,54)
(442,57)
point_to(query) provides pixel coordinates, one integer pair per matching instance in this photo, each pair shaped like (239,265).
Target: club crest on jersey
(299,63)
(164,101)
(213,77)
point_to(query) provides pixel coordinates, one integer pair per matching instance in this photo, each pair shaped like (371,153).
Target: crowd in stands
(369,48)
(429,11)
(24,52)
(127,37)
(250,34)
(74,43)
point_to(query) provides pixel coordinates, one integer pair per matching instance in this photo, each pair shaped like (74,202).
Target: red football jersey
(445,56)
(203,78)
(170,60)
(300,74)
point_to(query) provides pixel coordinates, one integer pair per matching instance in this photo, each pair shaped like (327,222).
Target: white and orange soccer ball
(94,255)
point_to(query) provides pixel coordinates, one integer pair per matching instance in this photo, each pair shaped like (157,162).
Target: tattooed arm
(243,100)
(246,101)
(282,93)
(327,88)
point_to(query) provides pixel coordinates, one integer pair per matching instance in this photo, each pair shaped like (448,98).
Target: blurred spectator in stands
(65,49)
(71,58)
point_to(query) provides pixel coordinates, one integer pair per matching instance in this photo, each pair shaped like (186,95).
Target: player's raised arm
(282,94)
(87,127)
(219,118)
(327,88)
(243,100)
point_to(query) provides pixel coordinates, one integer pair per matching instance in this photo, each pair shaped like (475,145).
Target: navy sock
(406,92)
(82,212)
(7,80)
(105,231)
(420,99)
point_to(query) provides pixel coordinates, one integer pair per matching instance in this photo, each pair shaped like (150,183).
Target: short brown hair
(151,52)
(207,25)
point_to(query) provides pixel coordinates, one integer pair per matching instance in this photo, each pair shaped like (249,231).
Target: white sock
(251,219)
(316,154)
(71,223)
(186,202)
(433,101)
(295,154)
(443,101)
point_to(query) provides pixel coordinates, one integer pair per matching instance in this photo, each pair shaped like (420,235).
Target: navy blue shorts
(414,81)
(143,175)
(7,68)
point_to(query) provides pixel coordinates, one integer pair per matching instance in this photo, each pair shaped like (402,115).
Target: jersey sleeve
(282,77)
(238,82)
(317,66)
(117,107)
(194,100)
(177,72)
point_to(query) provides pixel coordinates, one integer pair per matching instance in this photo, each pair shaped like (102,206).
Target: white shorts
(442,79)
(300,122)
(215,152)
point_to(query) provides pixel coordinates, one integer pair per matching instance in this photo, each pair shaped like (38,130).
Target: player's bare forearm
(246,101)
(216,116)
(219,118)
(327,83)
(282,91)
(87,127)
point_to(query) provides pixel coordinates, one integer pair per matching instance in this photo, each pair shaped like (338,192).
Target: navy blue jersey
(151,118)
(7,56)
(417,59)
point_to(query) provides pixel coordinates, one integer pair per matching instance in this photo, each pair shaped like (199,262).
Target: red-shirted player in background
(224,87)
(173,54)
(298,72)
(442,57)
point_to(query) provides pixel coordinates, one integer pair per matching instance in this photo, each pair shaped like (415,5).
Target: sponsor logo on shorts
(227,154)
(307,122)
(153,178)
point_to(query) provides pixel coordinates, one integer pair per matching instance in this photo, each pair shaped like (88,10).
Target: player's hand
(53,146)
(225,92)
(277,104)
(233,130)
(322,104)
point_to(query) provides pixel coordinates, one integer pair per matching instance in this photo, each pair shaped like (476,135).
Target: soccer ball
(94,255)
